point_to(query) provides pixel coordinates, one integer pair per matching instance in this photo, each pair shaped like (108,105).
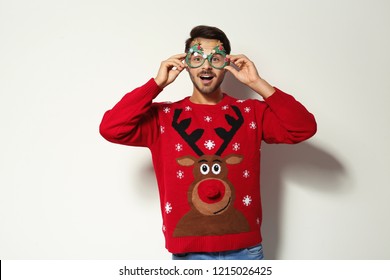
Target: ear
(233,159)
(186,161)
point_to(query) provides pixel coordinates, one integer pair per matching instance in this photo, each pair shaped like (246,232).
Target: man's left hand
(245,71)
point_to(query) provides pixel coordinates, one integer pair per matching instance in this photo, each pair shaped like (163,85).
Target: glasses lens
(217,60)
(195,60)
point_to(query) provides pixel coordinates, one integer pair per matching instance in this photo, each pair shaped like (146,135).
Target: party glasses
(196,57)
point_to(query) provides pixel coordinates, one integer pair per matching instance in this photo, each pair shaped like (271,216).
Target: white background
(66,193)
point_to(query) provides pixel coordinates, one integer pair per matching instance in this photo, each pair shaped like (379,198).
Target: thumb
(174,73)
(232,70)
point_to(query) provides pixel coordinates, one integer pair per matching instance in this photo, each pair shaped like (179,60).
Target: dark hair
(208,32)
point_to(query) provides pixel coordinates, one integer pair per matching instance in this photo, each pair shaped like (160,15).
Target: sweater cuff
(151,87)
(277,98)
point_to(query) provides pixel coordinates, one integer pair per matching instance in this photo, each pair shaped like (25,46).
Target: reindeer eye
(216,168)
(204,169)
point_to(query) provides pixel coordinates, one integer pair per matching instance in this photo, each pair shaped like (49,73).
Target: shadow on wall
(312,166)
(148,191)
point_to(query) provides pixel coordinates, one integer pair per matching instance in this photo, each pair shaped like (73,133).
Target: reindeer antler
(181,127)
(227,136)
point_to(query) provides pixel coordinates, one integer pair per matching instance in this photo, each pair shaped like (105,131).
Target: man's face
(206,79)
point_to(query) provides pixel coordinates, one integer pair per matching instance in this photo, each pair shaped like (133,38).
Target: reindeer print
(211,195)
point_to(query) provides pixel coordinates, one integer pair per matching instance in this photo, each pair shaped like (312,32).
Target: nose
(211,191)
(206,64)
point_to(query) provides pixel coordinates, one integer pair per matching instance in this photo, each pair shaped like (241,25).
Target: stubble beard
(207,90)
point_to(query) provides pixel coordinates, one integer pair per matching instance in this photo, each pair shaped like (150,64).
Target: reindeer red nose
(211,190)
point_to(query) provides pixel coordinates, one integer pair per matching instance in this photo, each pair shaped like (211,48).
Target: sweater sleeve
(286,120)
(133,120)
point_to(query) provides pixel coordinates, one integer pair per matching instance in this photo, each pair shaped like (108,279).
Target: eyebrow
(215,160)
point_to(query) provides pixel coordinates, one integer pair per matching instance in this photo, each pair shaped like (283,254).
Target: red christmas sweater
(207,160)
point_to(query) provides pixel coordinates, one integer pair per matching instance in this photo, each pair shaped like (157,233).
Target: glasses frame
(198,49)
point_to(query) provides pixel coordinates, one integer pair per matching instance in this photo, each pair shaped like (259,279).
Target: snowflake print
(162,129)
(166,110)
(224,108)
(258,221)
(209,144)
(240,101)
(188,108)
(246,174)
(247,109)
(252,125)
(247,200)
(208,119)
(236,146)
(164,228)
(179,147)
(180,174)
(168,208)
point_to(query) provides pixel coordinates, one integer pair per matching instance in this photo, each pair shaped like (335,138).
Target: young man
(206,147)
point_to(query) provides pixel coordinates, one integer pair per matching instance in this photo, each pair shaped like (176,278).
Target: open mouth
(206,77)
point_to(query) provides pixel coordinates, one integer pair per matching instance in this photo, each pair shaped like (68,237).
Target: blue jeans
(250,253)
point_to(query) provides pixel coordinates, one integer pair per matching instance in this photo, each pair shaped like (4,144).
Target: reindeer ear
(186,161)
(233,159)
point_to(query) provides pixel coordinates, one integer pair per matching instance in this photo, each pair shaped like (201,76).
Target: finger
(240,58)
(177,61)
(180,56)
(171,64)
(173,74)
(177,66)
(236,65)
(242,62)
(236,57)
(232,70)
(180,68)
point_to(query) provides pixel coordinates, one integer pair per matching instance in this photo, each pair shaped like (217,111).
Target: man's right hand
(170,69)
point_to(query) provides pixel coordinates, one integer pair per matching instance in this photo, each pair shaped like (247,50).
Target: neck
(206,98)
